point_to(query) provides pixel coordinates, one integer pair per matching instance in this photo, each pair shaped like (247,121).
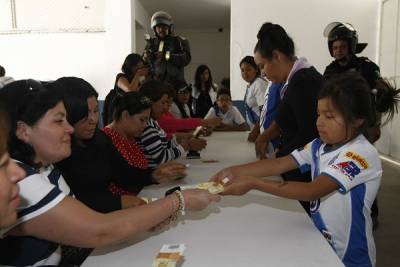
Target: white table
(252,230)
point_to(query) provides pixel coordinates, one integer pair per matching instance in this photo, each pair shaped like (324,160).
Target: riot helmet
(162,17)
(342,31)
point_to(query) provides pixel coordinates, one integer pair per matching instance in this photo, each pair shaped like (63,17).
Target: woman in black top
(94,162)
(295,121)
(134,73)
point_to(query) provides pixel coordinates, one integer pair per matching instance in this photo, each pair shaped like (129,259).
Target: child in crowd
(232,120)
(346,169)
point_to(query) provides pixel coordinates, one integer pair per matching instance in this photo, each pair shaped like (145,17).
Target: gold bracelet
(181,206)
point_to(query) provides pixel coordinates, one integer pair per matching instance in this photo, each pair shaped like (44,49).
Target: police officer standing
(343,46)
(166,53)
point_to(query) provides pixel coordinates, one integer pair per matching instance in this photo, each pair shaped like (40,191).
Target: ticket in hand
(212,187)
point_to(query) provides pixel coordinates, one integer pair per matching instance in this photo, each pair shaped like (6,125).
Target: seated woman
(154,142)
(132,112)
(95,165)
(10,174)
(178,118)
(134,73)
(232,120)
(49,214)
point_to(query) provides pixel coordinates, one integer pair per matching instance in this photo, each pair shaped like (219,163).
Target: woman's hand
(212,122)
(198,199)
(261,147)
(169,171)
(206,131)
(197,144)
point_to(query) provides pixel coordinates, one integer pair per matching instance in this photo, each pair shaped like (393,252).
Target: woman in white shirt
(255,90)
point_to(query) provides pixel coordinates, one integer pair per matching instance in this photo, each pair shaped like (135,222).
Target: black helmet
(342,31)
(161,17)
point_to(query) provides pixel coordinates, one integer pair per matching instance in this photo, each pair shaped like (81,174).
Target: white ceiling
(193,14)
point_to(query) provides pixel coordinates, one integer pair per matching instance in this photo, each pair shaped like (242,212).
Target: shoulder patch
(348,168)
(354,156)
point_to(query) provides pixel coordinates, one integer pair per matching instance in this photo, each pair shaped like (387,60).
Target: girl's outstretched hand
(240,186)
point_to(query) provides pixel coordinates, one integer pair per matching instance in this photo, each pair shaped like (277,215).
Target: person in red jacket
(171,124)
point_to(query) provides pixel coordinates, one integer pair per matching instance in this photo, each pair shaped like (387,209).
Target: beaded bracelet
(181,207)
(175,208)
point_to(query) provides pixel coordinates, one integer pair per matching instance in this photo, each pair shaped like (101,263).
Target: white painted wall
(389,62)
(96,57)
(305,22)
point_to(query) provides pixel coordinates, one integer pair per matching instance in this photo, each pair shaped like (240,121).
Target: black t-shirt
(297,113)
(91,168)
(87,172)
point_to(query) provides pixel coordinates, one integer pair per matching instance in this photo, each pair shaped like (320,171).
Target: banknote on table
(169,255)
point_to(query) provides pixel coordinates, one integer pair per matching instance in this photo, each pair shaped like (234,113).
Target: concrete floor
(387,236)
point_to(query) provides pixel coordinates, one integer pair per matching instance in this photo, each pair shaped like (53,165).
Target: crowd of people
(315,130)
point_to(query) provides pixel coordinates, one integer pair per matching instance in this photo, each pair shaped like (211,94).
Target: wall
(208,47)
(389,62)
(94,56)
(305,22)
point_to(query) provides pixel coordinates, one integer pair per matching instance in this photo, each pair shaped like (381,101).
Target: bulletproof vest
(361,65)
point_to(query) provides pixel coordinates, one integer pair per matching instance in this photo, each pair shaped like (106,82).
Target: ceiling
(193,14)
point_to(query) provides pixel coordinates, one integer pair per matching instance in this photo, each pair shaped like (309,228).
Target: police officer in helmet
(166,53)
(343,46)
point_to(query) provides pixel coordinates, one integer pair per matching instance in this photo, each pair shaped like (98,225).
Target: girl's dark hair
(155,89)
(131,61)
(4,131)
(386,98)
(197,78)
(352,97)
(76,91)
(250,60)
(30,101)
(273,37)
(132,102)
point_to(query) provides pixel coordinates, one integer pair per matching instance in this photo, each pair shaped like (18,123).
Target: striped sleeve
(157,148)
(37,196)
